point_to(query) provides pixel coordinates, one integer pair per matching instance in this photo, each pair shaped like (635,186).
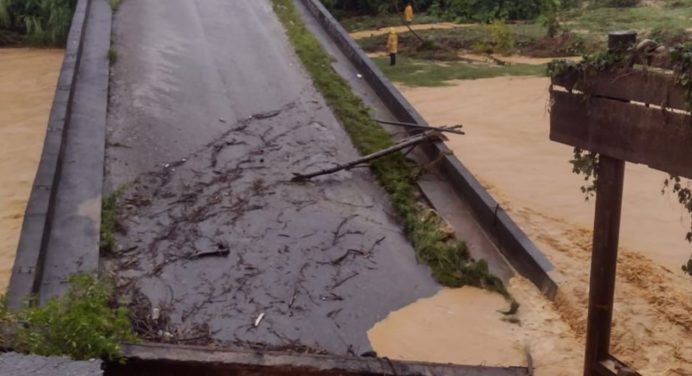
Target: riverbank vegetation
(37,22)
(540,28)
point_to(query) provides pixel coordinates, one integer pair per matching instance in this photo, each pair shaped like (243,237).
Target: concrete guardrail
(516,247)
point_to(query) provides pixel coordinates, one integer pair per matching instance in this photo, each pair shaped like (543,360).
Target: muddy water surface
(508,149)
(465,326)
(27,84)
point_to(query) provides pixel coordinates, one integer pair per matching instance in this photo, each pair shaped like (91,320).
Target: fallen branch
(424,137)
(355,274)
(451,129)
(218,253)
(496,60)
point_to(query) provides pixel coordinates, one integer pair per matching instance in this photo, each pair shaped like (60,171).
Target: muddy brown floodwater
(27,84)
(507,148)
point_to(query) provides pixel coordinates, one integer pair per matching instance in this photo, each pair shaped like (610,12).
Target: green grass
(448,259)
(115,4)
(413,72)
(109,220)
(642,19)
(112,55)
(81,324)
(588,29)
(529,39)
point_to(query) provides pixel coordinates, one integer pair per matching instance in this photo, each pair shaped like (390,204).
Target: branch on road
(449,129)
(411,141)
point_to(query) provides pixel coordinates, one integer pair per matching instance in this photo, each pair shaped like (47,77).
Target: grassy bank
(414,72)
(41,22)
(583,30)
(448,259)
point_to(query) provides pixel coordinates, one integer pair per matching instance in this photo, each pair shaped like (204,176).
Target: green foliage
(586,162)
(687,268)
(462,10)
(449,260)
(498,39)
(415,72)
(115,4)
(109,212)
(491,10)
(43,21)
(616,3)
(82,324)
(112,55)
(681,56)
(549,19)
(669,36)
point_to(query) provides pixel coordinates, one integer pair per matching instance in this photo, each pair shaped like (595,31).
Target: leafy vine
(585,162)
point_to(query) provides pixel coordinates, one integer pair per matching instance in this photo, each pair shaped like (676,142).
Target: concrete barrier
(161,359)
(62,219)
(507,236)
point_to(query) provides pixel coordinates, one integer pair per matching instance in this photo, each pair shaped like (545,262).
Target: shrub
(42,21)
(669,36)
(477,10)
(498,39)
(617,3)
(82,324)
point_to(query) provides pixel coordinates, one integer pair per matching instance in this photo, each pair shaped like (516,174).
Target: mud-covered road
(210,114)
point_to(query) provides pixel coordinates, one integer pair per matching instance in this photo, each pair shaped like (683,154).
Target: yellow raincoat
(392,42)
(408,13)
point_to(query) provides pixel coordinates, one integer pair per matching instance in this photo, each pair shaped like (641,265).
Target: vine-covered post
(606,233)
(612,111)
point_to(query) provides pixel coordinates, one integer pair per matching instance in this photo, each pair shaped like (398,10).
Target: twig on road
(415,140)
(355,274)
(449,129)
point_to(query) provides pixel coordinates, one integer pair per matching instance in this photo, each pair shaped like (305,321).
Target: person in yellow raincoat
(392,46)
(408,13)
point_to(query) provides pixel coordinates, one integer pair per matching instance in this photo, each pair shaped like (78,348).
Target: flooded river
(27,84)
(507,148)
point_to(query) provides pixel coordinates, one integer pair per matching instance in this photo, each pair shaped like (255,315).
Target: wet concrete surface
(14,364)
(186,70)
(211,113)
(437,189)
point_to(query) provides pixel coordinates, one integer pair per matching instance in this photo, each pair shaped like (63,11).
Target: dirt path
(403,29)
(213,236)
(28,78)
(509,151)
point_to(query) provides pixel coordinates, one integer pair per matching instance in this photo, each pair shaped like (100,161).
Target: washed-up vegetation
(448,258)
(43,22)
(83,324)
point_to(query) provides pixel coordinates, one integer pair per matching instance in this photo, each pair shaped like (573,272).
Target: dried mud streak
(322,260)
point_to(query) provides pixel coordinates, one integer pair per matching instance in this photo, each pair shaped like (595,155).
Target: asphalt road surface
(210,114)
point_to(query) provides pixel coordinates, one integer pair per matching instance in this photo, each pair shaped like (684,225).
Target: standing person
(392,46)
(408,13)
